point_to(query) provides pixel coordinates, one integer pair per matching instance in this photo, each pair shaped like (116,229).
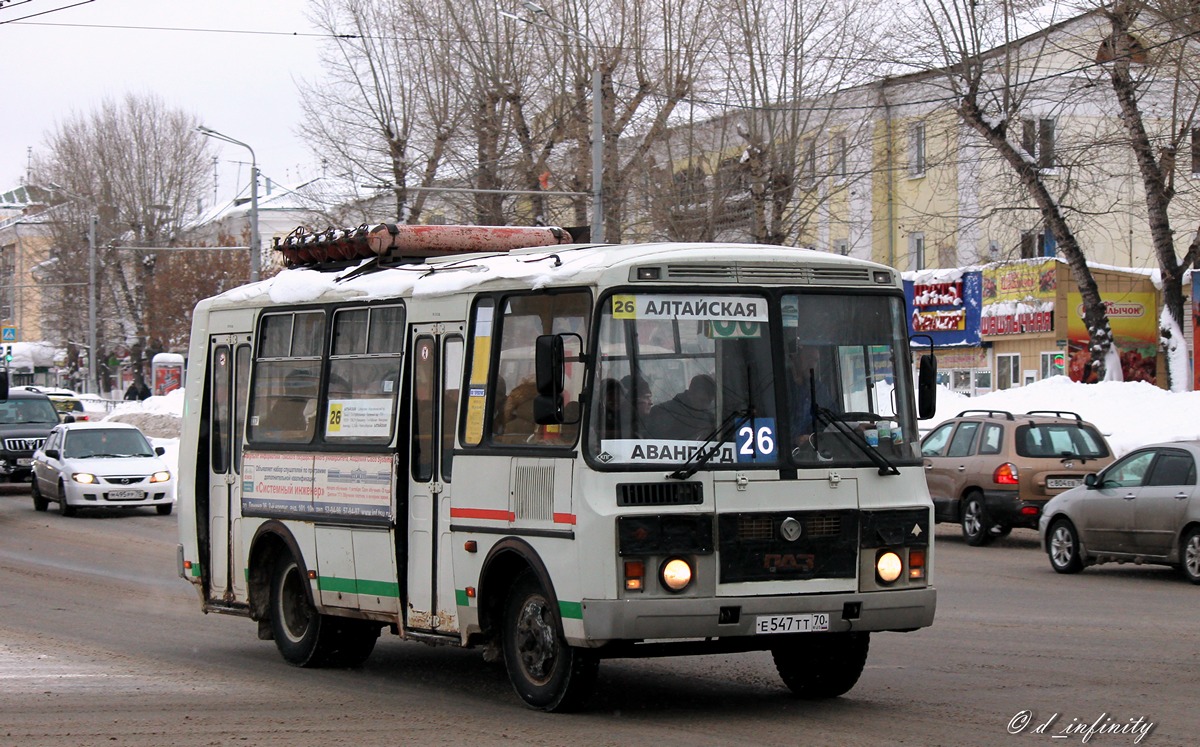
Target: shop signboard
(1018,298)
(1134,323)
(944,304)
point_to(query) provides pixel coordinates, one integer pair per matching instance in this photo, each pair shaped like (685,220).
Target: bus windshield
(682,374)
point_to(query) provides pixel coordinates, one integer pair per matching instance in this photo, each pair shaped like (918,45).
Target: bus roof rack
(1057,414)
(989,413)
(338,247)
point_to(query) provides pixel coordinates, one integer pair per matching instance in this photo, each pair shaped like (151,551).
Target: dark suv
(991,470)
(25,420)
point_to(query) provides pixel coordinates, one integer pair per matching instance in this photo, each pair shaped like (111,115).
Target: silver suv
(991,470)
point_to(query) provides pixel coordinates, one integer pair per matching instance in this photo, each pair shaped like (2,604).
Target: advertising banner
(1133,318)
(945,306)
(1018,298)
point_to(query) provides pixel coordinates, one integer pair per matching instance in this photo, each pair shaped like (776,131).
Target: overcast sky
(242,84)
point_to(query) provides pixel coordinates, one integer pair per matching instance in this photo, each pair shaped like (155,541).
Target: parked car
(94,465)
(991,470)
(1143,508)
(65,401)
(25,421)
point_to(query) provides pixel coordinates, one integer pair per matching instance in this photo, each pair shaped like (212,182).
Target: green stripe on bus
(461,598)
(358,586)
(573,610)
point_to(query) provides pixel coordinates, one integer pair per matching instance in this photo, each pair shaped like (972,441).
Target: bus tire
(306,638)
(546,672)
(815,666)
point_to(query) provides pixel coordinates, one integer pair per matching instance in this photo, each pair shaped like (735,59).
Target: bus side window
(525,317)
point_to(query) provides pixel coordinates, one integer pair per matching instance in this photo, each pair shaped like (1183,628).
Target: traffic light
(8,354)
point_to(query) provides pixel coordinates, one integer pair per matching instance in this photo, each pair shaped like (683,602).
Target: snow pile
(157,417)
(1129,414)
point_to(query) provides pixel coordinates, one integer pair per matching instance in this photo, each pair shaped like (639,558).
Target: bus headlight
(676,574)
(888,566)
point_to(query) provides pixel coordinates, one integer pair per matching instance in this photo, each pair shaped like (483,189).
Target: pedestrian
(138,390)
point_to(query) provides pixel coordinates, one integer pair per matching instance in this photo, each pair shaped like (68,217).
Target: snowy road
(100,644)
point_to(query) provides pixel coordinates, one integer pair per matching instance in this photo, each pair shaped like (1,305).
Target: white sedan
(100,465)
(1143,508)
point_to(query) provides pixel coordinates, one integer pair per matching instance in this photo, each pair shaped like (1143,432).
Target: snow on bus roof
(534,268)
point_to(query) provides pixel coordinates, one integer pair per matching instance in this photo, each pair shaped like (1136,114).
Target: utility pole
(93,384)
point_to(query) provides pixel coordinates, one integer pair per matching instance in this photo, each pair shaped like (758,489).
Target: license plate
(125,495)
(791,623)
(1063,482)
(24,462)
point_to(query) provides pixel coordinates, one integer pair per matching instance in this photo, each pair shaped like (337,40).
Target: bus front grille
(787,546)
(660,494)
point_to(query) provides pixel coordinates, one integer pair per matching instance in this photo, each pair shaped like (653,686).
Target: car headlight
(86,478)
(888,566)
(161,476)
(676,574)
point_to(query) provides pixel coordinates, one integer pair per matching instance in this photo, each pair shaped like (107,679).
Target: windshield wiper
(830,418)
(705,453)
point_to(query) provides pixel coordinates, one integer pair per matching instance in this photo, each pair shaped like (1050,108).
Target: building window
(841,154)
(808,166)
(1036,244)
(1053,364)
(841,246)
(916,250)
(1008,370)
(1037,138)
(993,250)
(916,149)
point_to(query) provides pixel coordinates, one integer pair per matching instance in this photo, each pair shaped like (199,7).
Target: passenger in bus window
(519,426)
(689,415)
(637,392)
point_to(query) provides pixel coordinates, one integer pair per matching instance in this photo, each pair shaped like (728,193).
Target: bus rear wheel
(545,671)
(815,666)
(305,637)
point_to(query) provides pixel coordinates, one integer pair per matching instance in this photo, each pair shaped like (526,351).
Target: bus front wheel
(306,638)
(545,671)
(822,665)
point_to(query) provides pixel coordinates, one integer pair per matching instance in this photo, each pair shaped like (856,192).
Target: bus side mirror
(3,385)
(927,387)
(549,366)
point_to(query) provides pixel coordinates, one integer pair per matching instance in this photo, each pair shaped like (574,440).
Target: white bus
(560,453)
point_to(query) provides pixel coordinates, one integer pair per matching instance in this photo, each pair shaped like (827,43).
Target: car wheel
(40,502)
(1189,555)
(164,509)
(545,671)
(822,665)
(1062,544)
(976,527)
(64,508)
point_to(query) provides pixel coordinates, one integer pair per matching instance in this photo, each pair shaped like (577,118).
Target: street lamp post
(556,25)
(255,248)
(93,385)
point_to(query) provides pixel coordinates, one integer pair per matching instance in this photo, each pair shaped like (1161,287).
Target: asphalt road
(101,644)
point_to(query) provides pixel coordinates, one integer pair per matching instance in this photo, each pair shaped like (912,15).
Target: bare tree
(140,168)
(1149,58)
(993,79)
(387,111)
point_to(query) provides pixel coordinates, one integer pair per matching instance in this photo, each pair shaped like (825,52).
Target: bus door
(229,378)
(437,360)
